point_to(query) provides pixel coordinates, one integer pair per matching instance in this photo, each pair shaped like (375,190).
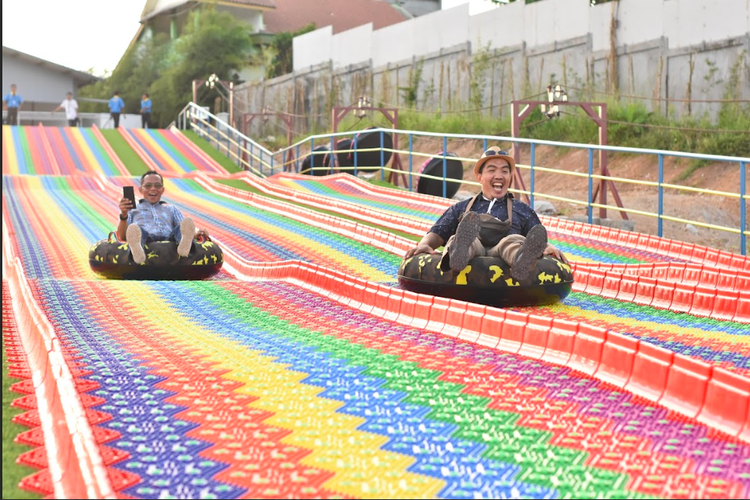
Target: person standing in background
(12,102)
(70,106)
(116,105)
(145,111)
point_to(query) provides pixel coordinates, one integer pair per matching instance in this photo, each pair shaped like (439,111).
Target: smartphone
(127,192)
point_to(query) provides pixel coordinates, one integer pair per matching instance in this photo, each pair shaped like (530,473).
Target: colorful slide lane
(268,389)
(401,210)
(57,151)
(170,151)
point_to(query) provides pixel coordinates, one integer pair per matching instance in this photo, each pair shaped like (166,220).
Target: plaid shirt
(524,217)
(157,220)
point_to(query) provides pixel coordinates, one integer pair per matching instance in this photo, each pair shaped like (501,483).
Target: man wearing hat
(492,223)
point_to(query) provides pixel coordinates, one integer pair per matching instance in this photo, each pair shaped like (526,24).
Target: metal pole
(411,158)
(330,158)
(660,222)
(531,185)
(312,157)
(591,186)
(231,104)
(743,209)
(382,158)
(445,167)
(354,147)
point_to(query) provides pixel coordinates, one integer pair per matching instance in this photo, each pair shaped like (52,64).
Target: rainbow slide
(301,370)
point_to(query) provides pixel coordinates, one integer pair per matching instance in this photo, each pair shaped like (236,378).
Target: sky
(78,34)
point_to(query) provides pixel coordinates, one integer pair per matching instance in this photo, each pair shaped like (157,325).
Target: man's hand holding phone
(127,202)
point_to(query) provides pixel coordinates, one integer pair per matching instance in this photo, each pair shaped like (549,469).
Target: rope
(668,127)
(621,96)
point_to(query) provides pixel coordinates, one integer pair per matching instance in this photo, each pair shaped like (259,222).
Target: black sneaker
(133,237)
(531,251)
(466,233)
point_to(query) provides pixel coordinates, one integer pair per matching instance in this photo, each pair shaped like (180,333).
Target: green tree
(279,56)
(213,42)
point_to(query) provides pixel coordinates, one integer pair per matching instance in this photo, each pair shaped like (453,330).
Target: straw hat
(495,152)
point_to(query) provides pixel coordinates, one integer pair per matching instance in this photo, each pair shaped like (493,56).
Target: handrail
(298,150)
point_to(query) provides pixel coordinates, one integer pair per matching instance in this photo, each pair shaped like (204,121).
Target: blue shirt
(116,104)
(157,220)
(524,217)
(145,105)
(13,100)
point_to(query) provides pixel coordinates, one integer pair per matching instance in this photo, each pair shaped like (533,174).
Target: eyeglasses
(149,186)
(491,152)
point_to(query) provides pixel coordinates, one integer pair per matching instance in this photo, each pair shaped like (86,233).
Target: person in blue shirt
(155,220)
(116,105)
(492,223)
(12,102)
(145,111)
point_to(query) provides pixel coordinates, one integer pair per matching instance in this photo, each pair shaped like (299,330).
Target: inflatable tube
(370,161)
(111,259)
(487,280)
(434,166)
(316,161)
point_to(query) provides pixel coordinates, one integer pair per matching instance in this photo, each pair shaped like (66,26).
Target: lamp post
(597,111)
(212,82)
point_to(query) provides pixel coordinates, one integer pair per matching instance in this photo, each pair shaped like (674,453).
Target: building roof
(155,7)
(80,77)
(342,15)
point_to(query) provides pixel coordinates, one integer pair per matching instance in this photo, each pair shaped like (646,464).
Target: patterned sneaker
(133,237)
(531,251)
(466,233)
(187,228)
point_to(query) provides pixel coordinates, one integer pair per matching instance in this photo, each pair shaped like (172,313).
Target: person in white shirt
(70,106)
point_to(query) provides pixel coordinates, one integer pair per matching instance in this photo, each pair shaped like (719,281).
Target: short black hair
(152,172)
(145,94)
(116,92)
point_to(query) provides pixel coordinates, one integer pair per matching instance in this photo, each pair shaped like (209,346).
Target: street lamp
(213,79)
(554,95)
(363,102)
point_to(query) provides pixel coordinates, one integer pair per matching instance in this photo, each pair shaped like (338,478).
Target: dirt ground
(701,207)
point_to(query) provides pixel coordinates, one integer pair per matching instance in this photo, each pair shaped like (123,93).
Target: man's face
(12,89)
(152,188)
(69,96)
(495,178)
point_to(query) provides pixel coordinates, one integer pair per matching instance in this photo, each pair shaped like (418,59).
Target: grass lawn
(214,153)
(129,157)
(240,184)
(12,472)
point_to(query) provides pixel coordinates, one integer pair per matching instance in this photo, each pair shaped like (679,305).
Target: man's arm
(427,244)
(122,225)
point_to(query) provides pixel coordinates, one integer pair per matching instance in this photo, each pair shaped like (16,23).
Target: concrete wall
(664,51)
(36,83)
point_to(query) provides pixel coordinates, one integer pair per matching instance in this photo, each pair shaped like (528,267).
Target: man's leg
(476,248)
(13,116)
(135,238)
(521,253)
(116,118)
(462,249)
(184,235)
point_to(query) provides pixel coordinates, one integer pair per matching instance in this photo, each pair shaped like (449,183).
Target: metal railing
(265,163)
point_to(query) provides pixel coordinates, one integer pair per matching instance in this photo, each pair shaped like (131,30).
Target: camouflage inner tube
(112,259)
(487,280)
